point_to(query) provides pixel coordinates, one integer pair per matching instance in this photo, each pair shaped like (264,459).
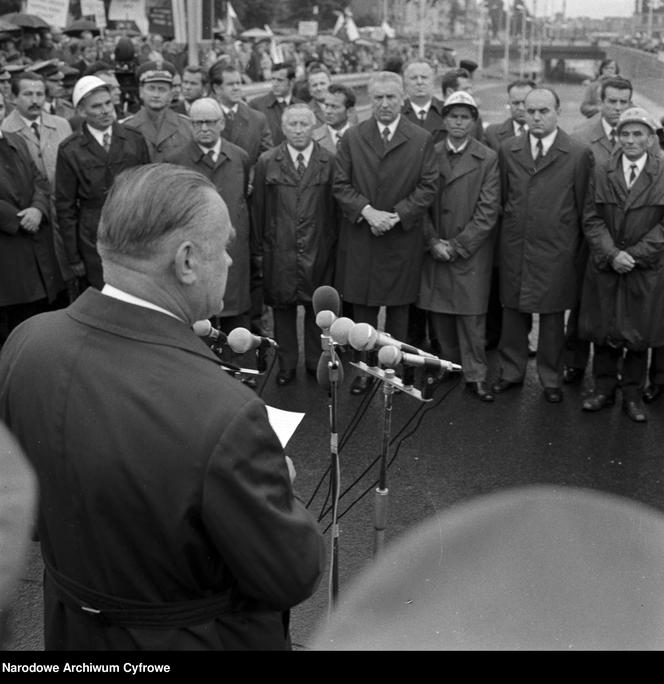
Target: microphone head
(323,372)
(389,356)
(240,340)
(340,330)
(325,318)
(202,328)
(325,298)
(362,337)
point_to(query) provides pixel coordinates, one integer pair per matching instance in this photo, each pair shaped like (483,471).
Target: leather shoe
(554,395)
(360,384)
(651,393)
(573,376)
(480,390)
(285,377)
(501,385)
(596,402)
(635,411)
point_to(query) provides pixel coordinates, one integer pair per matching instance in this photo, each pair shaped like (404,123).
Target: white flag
(339,25)
(351,29)
(231,20)
(387,29)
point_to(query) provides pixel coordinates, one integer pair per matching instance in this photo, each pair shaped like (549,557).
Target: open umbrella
(8,27)
(25,21)
(77,27)
(329,41)
(256,33)
(294,38)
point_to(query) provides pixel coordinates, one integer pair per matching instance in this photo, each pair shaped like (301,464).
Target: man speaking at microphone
(167,515)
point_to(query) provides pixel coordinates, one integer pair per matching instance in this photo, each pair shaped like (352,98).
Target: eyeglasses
(208,122)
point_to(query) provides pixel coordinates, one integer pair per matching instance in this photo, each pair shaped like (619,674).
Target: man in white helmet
(88,162)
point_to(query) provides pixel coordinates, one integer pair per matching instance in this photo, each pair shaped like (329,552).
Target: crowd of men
(221,209)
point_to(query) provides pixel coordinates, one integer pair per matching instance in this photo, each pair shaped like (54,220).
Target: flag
(231,20)
(276,52)
(351,29)
(387,29)
(340,23)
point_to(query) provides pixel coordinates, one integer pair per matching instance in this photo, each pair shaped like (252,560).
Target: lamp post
(508,30)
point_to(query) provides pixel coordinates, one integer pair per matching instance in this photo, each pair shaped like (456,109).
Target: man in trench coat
(385,179)
(456,274)
(544,177)
(623,286)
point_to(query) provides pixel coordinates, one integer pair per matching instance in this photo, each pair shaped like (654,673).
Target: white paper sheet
(284,423)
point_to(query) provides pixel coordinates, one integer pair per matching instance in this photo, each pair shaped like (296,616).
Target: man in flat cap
(87,164)
(164,130)
(623,288)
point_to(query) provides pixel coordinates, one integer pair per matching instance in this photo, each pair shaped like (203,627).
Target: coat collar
(616,178)
(473,154)
(402,134)
(520,147)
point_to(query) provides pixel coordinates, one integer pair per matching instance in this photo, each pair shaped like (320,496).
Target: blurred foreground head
(539,568)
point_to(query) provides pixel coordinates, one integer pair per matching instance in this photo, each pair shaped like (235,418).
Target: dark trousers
(494,314)
(577,351)
(656,373)
(607,361)
(285,333)
(513,346)
(461,341)
(396,318)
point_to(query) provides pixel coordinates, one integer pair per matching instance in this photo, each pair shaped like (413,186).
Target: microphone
(365,337)
(204,329)
(323,370)
(326,298)
(340,330)
(240,340)
(391,357)
(325,319)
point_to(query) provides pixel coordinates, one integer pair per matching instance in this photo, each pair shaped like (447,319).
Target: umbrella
(256,33)
(365,42)
(294,38)
(77,27)
(329,41)
(8,27)
(26,21)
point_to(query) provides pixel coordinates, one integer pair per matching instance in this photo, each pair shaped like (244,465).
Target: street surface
(440,453)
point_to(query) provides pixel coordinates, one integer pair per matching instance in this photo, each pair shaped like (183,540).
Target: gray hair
(384,77)
(297,107)
(148,203)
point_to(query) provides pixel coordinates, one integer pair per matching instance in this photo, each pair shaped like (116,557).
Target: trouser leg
(606,361)
(285,334)
(550,349)
(513,346)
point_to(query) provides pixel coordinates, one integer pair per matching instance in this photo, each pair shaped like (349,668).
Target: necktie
(632,175)
(386,135)
(540,152)
(35,128)
(338,135)
(300,165)
(107,141)
(522,130)
(613,137)
(423,115)
(210,155)
(229,116)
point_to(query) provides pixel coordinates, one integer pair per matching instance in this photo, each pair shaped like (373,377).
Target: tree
(7,6)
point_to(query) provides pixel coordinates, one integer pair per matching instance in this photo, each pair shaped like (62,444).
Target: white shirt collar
(99,135)
(640,164)
(461,148)
(306,153)
(392,127)
(123,296)
(337,131)
(229,109)
(216,149)
(608,128)
(418,108)
(547,141)
(29,122)
(516,126)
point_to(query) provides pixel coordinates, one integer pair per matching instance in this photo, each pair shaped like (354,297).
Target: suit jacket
(433,122)
(165,470)
(230,175)
(250,131)
(496,134)
(84,174)
(44,152)
(322,136)
(175,130)
(541,229)
(591,132)
(28,266)
(180,108)
(400,178)
(269,105)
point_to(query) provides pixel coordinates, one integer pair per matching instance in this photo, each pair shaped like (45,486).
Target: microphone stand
(333,367)
(380,500)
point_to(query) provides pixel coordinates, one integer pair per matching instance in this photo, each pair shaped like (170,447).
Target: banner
(160,18)
(307,28)
(100,14)
(127,10)
(53,12)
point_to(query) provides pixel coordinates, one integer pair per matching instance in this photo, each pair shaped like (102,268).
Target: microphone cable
(420,413)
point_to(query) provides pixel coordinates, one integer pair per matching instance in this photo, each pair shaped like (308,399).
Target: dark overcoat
(496,134)
(270,106)
(296,224)
(250,131)
(625,309)
(175,130)
(28,266)
(464,212)
(161,482)
(230,175)
(84,173)
(401,178)
(433,121)
(541,229)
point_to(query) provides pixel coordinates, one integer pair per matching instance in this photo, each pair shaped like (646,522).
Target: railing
(356,81)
